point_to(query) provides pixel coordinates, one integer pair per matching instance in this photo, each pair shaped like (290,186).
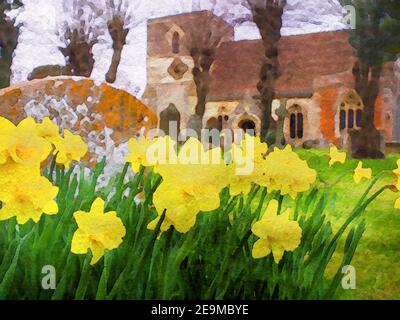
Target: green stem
(280,201)
(102,288)
(328,252)
(84,280)
(220,275)
(164,262)
(146,253)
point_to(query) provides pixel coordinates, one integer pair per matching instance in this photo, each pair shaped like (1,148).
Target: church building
(316,82)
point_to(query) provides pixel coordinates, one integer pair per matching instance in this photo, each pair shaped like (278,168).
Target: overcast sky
(38,43)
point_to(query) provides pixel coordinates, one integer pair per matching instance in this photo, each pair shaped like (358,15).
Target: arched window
(350,123)
(300,122)
(217,125)
(296,122)
(169,118)
(358,117)
(342,119)
(350,115)
(350,119)
(212,123)
(175,43)
(293,126)
(220,123)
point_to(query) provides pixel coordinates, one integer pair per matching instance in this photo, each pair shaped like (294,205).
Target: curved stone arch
(238,122)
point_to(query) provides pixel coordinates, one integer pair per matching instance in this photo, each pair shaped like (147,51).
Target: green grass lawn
(377,260)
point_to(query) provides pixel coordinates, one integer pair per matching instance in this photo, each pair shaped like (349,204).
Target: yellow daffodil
(360,173)
(183,203)
(48,130)
(138,153)
(247,164)
(97,231)
(70,148)
(23,144)
(162,151)
(193,152)
(397,204)
(6,129)
(3,154)
(277,233)
(396,173)
(6,126)
(239,184)
(12,171)
(286,172)
(192,155)
(186,189)
(28,197)
(336,156)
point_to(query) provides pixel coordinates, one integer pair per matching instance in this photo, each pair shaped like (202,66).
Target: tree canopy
(377,33)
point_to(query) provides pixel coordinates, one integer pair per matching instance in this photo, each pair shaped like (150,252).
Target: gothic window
(358,117)
(350,119)
(342,119)
(350,113)
(350,123)
(300,123)
(296,122)
(169,118)
(220,123)
(293,126)
(175,43)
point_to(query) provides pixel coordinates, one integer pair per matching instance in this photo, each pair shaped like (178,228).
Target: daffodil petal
(260,249)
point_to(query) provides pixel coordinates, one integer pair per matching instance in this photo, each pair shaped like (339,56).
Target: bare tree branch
(123,15)
(79,33)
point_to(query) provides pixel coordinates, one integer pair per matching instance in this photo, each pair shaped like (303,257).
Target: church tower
(171,91)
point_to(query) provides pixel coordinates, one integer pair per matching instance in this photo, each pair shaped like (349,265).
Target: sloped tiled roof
(302,58)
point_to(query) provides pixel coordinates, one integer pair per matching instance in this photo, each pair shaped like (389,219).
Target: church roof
(303,59)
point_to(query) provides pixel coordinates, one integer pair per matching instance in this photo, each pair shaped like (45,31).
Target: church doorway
(248,125)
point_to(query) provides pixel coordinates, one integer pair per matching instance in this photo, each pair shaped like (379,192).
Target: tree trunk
(269,22)
(266,88)
(201,75)
(367,142)
(111,75)
(118,35)
(8,43)
(202,79)
(282,114)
